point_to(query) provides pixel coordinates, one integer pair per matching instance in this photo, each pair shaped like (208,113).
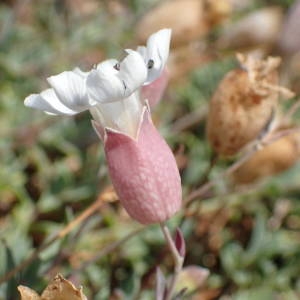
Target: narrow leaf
(10,264)
(180,243)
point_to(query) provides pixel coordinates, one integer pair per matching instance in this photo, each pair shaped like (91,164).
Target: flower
(110,81)
(141,165)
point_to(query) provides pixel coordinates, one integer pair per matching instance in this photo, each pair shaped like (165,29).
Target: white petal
(142,50)
(71,90)
(123,115)
(48,102)
(157,53)
(160,41)
(113,81)
(109,66)
(133,72)
(103,87)
(81,73)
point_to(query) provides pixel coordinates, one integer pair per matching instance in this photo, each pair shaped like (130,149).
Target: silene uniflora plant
(119,94)
(234,131)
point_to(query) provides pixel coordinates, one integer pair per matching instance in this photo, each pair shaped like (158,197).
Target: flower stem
(178,260)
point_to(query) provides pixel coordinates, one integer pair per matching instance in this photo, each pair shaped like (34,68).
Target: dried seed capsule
(188,19)
(272,159)
(259,28)
(243,104)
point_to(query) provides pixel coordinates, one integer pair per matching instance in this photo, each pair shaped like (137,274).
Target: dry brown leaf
(62,289)
(207,295)
(58,289)
(192,277)
(27,293)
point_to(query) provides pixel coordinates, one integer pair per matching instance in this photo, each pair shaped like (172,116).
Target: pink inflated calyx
(144,172)
(154,91)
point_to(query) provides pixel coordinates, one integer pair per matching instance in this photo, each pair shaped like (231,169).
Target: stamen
(150,64)
(117,66)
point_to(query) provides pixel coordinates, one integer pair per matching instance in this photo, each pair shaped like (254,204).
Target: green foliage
(53,168)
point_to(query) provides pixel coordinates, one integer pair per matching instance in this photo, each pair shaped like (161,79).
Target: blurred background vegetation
(52,168)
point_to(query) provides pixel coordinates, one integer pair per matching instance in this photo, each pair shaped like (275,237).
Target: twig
(178,259)
(62,233)
(292,110)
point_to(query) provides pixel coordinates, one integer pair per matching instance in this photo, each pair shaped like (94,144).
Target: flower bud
(144,172)
(243,104)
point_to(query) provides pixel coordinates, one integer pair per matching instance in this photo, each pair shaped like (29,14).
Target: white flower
(156,53)
(75,91)
(111,90)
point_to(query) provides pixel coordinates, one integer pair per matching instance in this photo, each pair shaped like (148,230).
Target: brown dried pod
(272,159)
(188,19)
(243,104)
(259,28)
